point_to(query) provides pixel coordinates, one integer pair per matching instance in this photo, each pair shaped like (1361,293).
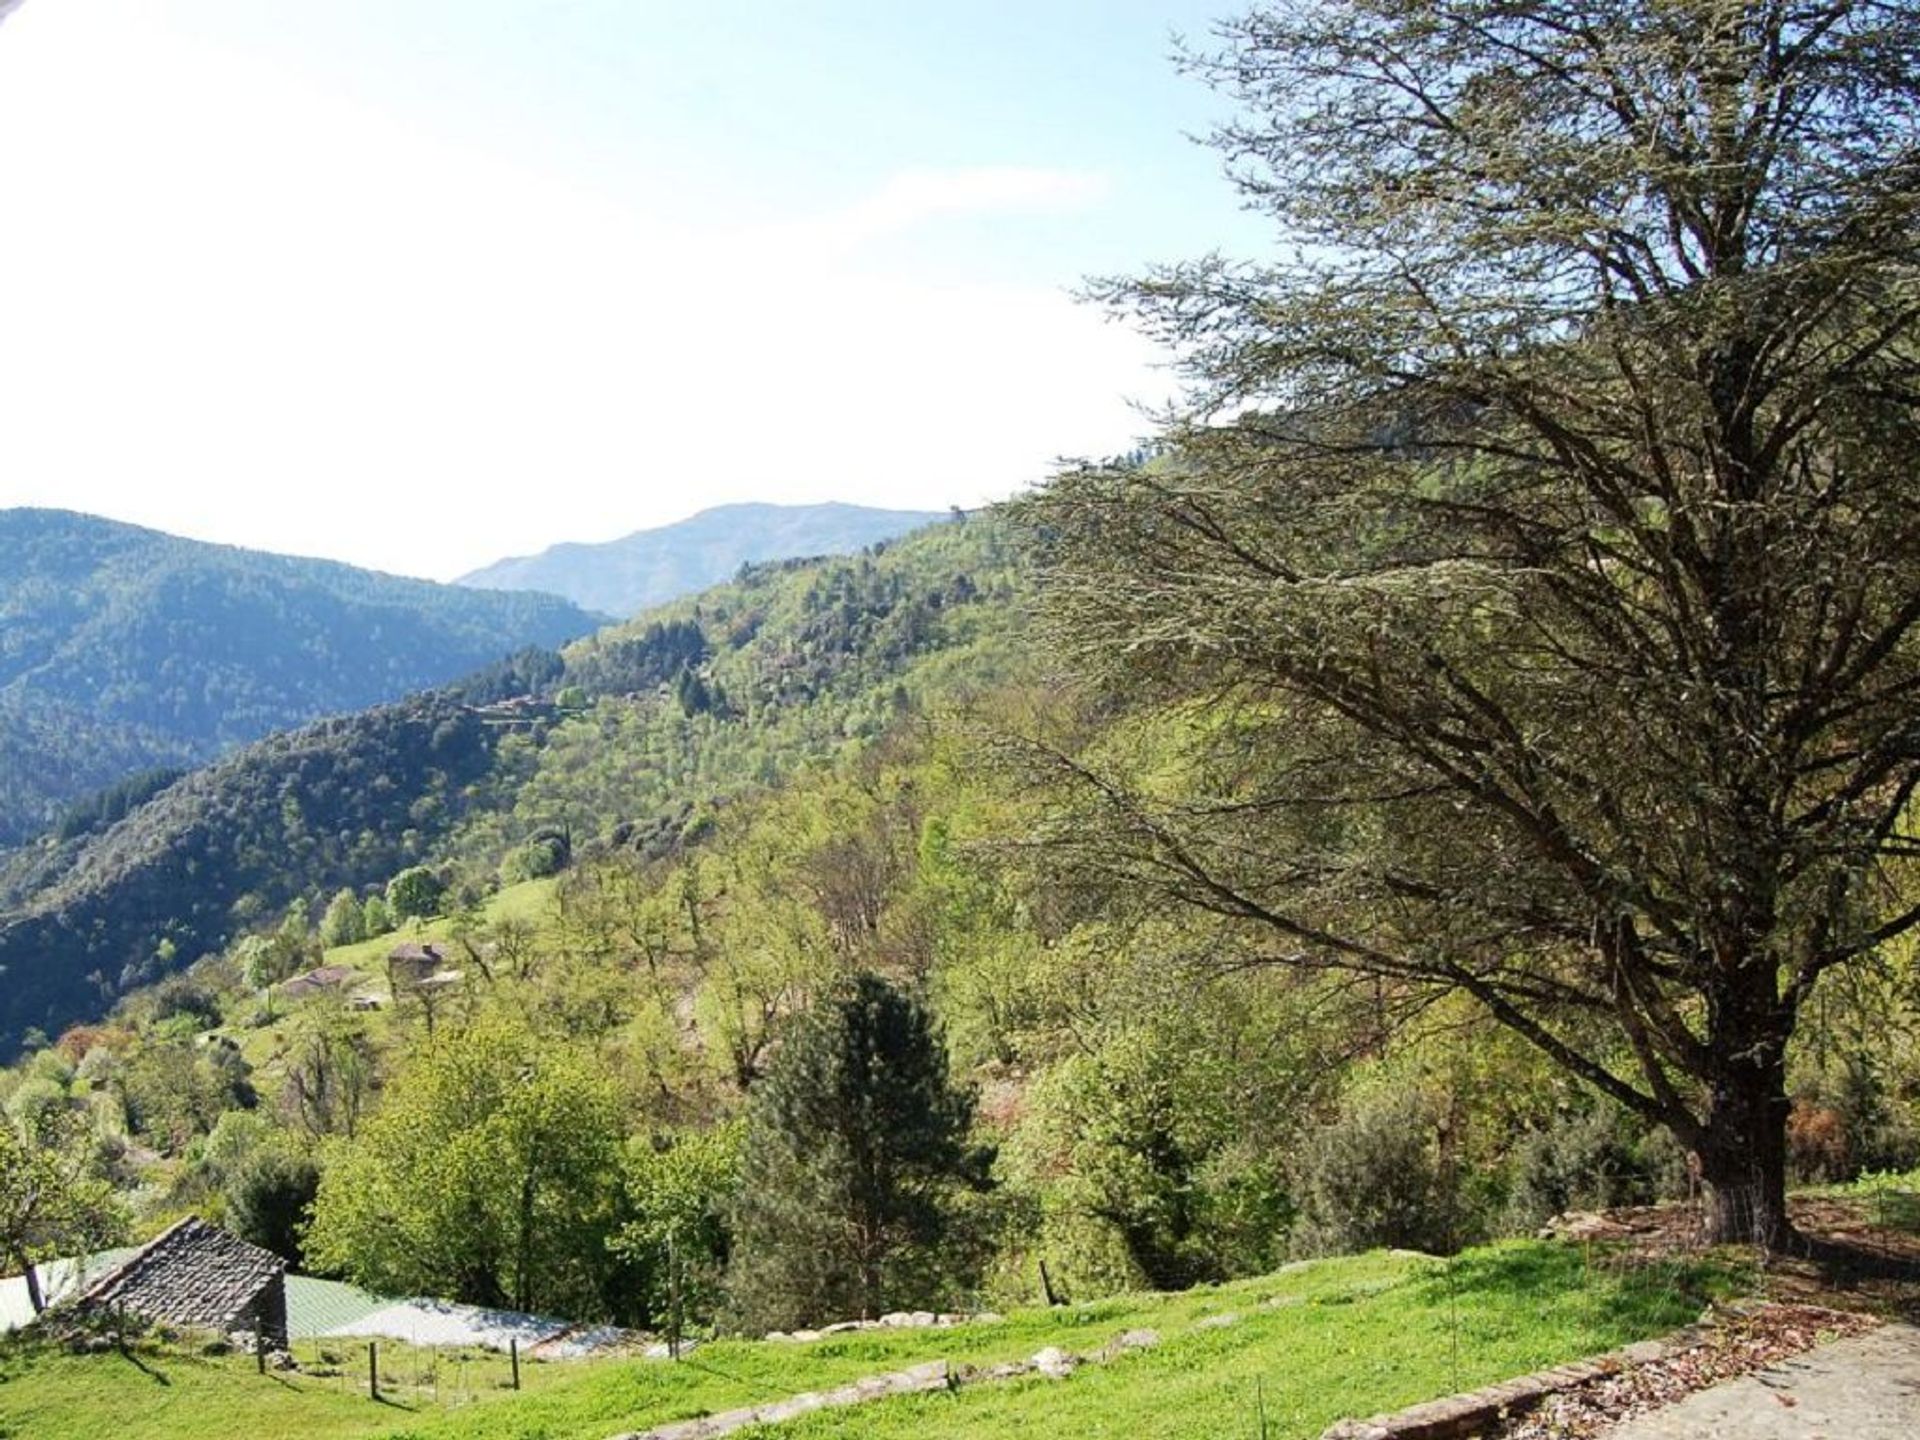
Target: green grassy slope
(1346,1336)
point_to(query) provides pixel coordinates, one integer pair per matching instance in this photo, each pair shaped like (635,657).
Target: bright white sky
(422,283)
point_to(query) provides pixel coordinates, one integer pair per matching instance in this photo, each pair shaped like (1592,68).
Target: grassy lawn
(166,1394)
(1337,1344)
(1314,1342)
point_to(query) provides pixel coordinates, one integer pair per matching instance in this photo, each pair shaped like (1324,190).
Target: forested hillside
(624,740)
(650,567)
(1463,772)
(123,648)
(764,911)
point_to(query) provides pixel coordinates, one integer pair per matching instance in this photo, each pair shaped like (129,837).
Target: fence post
(373,1369)
(673,1304)
(513,1354)
(259,1342)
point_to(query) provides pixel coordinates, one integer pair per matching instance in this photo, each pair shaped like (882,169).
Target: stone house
(198,1276)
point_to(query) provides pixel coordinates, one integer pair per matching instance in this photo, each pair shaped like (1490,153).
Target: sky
(418,284)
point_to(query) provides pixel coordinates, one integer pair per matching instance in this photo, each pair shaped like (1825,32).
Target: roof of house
(414,950)
(327,977)
(193,1274)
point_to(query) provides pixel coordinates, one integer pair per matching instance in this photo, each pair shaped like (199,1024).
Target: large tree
(1537,554)
(855,1146)
(487,1174)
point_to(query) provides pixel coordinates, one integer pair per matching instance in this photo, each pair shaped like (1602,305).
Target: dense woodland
(657,904)
(1463,771)
(122,648)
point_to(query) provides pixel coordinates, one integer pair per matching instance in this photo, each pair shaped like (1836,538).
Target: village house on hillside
(198,1276)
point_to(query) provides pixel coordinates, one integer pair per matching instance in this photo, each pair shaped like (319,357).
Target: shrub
(1585,1160)
(1372,1178)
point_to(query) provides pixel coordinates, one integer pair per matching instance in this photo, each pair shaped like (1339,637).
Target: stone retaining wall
(1457,1416)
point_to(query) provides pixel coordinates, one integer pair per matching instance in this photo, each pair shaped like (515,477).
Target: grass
(1346,1336)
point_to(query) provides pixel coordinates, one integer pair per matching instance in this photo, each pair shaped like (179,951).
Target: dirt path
(1865,1387)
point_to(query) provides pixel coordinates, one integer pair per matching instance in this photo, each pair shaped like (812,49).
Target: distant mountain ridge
(650,567)
(123,648)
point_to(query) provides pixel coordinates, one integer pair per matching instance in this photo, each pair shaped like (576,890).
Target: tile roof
(194,1274)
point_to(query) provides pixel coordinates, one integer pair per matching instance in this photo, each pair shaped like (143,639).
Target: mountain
(650,567)
(627,740)
(123,648)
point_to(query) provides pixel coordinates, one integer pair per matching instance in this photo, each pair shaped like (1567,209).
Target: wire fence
(416,1376)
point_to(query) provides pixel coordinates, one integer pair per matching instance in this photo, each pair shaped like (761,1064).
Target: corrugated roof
(320,1307)
(58,1280)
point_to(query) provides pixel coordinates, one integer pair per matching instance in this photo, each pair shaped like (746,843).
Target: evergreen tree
(1538,540)
(855,1149)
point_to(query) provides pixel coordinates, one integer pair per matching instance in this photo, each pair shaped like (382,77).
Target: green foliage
(345,802)
(115,802)
(487,1175)
(1373,1177)
(855,1145)
(268,1200)
(49,1204)
(544,853)
(415,893)
(129,649)
(345,920)
(1515,651)
(1587,1160)
(679,1190)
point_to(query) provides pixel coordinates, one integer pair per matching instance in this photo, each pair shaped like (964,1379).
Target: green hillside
(123,648)
(1340,1337)
(626,739)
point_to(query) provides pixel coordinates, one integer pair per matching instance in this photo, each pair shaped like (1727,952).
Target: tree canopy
(855,1141)
(487,1174)
(1534,566)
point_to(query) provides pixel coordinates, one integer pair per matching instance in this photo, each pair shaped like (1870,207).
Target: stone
(1054,1363)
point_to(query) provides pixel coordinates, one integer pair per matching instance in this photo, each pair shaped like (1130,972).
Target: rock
(1584,1225)
(922,1319)
(660,1350)
(896,1319)
(1136,1340)
(1218,1322)
(1054,1363)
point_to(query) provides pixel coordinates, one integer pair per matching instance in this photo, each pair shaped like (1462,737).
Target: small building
(413,962)
(317,982)
(198,1276)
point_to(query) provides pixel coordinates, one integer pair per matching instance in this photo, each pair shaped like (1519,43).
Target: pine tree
(855,1149)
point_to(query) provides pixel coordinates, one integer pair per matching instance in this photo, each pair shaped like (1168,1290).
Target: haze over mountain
(650,567)
(123,648)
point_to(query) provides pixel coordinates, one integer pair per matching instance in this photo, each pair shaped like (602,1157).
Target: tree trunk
(1743,1158)
(34,1297)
